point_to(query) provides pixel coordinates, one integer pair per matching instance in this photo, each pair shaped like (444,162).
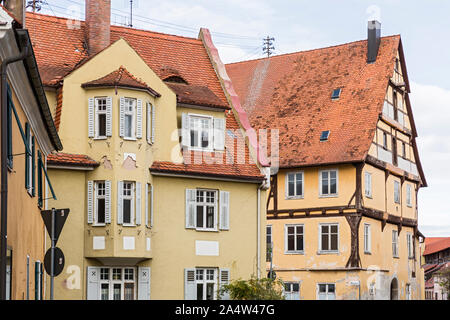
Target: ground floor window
(326,291)
(117,283)
(292,291)
(206,280)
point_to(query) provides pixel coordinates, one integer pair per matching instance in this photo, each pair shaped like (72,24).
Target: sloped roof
(67,159)
(292,93)
(435,245)
(59,46)
(196,95)
(120,78)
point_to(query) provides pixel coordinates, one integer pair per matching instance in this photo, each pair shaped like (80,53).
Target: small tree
(444,282)
(254,289)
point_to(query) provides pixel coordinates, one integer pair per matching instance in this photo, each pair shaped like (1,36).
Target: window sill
(328,252)
(127,225)
(294,252)
(368,253)
(329,195)
(396,257)
(200,149)
(368,197)
(295,198)
(98,225)
(206,230)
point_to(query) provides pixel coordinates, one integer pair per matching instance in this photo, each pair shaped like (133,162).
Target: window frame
(397,192)
(210,147)
(410,245)
(395,245)
(367,238)
(329,195)
(367,186)
(291,291)
(205,281)
(110,281)
(385,141)
(327,293)
(286,236)
(295,196)
(409,195)
(96,198)
(97,114)
(205,204)
(329,251)
(133,113)
(132,199)
(29,159)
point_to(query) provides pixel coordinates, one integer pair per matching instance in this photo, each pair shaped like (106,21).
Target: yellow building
(29,135)
(342,208)
(161,185)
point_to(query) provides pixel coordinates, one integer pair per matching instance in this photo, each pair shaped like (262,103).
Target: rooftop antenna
(131,14)
(268,46)
(35,5)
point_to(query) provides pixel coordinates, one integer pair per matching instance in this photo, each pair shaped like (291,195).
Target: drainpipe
(4,169)
(263,185)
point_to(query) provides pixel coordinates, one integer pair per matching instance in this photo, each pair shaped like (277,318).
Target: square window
(336,93)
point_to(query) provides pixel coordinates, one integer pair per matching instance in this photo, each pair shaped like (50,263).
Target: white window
(410,245)
(396,192)
(100,117)
(206,281)
(292,291)
(294,185)
(294,239)
(201,132)
(206,209)
(128,203)
(408,195)
(117,283)
(129,118)
(326,291)
(395,243)
(150,123)
(149,206)
(368,184)
(329,238)
(100,202)
(328,183)
(367,238)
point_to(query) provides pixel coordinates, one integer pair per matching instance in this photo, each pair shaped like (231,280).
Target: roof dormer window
(336,94)
(324,135)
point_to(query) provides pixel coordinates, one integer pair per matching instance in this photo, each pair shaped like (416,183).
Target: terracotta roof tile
(68,159)
(292,93)
(197,95)
(120,78)
(436,245)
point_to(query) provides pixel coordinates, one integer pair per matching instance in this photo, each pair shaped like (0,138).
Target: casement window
(385,146)
(204,133)
(396,192)
(149,205)
(367,238)
(129,203)
(410,245)
(326,291)
(404,150)
(202,208)
(294,185)
(100,117)
(294,238)
(329,238)
(291,291)
(130,118)
(408,195)
(328,183)
(30,167)
(99,202)
(269,246)
(151,118)
(368,184)
(205,283)
(395,243)
(118,283)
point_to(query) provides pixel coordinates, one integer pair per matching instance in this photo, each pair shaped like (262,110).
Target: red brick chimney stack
(98,24)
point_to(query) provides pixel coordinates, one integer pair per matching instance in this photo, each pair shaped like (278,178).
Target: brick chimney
(98,24)
(17,9)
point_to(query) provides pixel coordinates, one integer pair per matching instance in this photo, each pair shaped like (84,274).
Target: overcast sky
(238,27)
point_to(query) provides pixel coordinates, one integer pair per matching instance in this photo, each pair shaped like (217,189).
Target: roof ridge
(311,50)
(156,34)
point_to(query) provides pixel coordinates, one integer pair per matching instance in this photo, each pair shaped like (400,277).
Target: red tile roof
(120,78)
(433,245)
(292,93)
(67,159)
(197,95)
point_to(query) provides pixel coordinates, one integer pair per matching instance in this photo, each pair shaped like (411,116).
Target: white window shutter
(91,114)
(219,134)
(139,119)
(109,117)
(153,123)
(138,203)
(185,129)
(144,276)
(151,206)
(90,202)
(149,124)
(119,202)
(224,210)
(147,224)
(93,275)
(224,279)
(122,117)
(108,201)
(190,208)
(190,287)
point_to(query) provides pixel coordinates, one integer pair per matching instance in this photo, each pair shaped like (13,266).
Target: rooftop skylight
(336,94)
(324,136)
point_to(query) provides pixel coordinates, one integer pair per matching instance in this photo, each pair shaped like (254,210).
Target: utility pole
(35,5)
(268,46)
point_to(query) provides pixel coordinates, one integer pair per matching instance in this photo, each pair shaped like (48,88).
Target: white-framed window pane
(329,236)
(100,111)
(200,130)
(206,209)
(127,202)
(100,203)
(396,192)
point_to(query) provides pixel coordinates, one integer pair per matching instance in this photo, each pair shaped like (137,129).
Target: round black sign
(59,261)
